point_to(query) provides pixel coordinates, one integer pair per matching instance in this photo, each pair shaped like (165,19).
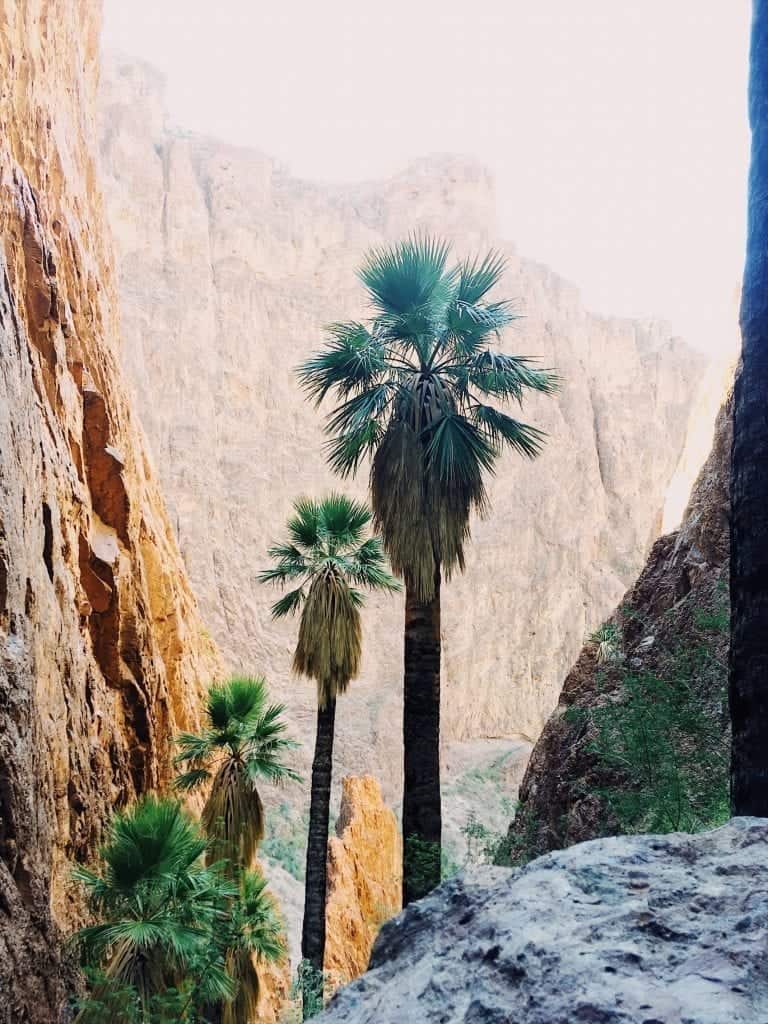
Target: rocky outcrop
(629,930)
(678,607)
(364,877)
(102,651)
(229,268)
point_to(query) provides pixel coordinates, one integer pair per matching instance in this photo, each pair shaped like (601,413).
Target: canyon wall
(102,651)
(229,268)
(673,625)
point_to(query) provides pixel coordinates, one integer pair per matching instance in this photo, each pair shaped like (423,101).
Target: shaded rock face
(102,652)
(364,877)
(628,930)
(229,268)
(686,572)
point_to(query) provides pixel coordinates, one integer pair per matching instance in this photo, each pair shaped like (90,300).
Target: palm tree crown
(412,385)
(242,744)
(157,901)
(329,557)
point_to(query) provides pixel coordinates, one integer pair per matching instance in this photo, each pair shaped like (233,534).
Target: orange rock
(364,877)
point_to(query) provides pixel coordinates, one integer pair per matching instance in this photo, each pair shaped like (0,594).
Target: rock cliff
(102,651)
(364,877)
(671,626)
(229,268)
(628,930)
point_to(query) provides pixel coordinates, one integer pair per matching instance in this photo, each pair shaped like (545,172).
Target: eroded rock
(630,930)
(364,877)
(102,651)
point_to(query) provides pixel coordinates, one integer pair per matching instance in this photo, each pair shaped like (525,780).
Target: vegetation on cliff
(640,739)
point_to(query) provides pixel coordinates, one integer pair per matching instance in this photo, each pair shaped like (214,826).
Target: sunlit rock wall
(102,651)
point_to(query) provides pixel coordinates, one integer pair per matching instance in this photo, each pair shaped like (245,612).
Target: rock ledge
(632,930)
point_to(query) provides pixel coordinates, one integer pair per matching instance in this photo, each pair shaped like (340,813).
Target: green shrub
(286,841)
(663,738)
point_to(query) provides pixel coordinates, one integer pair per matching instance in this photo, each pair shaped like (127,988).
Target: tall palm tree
(158,906)
(242,744)
(412,386)
(254,934)
(749,480)
(327,558)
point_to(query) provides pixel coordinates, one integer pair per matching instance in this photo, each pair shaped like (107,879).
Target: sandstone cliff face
(364,877)
(683,584)
(627,930)
(102,652)
(228,270)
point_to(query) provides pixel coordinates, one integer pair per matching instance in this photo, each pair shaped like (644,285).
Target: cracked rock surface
(628,930)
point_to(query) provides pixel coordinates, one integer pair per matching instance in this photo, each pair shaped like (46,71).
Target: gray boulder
(629,930)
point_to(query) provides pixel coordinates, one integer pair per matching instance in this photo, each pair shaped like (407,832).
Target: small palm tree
(158,904)
(255,934)
(414,386)
(328,558)
(242,745)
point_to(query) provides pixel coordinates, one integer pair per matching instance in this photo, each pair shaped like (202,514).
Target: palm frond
(343,519)
(359,410)
(408,277)
(416,407)
(288,603)
(353,360)
(479,275)
(505,376)
(193,747)
(471,327)
(501,429)
(347,450)
(191,780)
(245,744)
(291,564)
(304,525)
(247,696)
(152,839)
(459,451)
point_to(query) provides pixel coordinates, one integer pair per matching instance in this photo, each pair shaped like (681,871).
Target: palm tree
(749,480)
(254,934)
(242,744)
(159,906)
(411,386)
(327,558)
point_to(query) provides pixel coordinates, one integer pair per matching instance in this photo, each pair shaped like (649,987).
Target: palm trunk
(313,932)
(422,818)
(749,472)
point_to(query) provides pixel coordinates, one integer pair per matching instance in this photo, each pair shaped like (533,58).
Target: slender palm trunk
(313,932)
(749,472)
(422,816)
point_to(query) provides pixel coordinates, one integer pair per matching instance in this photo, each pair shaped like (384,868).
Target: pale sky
(616,129)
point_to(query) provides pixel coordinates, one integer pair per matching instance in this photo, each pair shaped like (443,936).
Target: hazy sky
(616,129)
